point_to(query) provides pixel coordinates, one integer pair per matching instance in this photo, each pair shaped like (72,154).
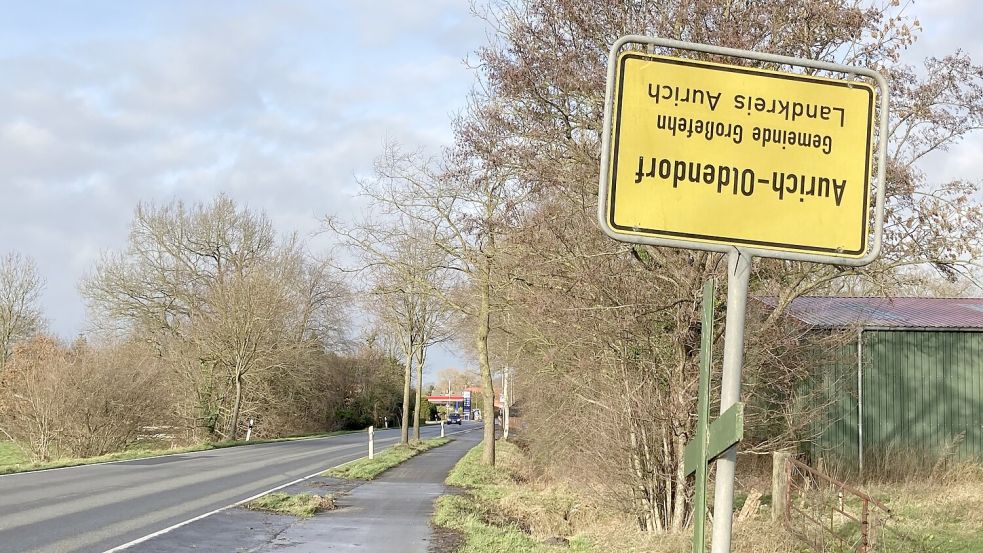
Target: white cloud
(24,136)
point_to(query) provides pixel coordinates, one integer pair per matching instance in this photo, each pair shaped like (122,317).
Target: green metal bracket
(724,433)
(699,445)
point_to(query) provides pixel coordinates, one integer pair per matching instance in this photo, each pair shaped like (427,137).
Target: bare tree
(33,397)
(20,294)
(245,331)
(612,328)
(433,326)
(222,295)
(79,400)
(455,379)
(404,271)
(461,208)
(396,311)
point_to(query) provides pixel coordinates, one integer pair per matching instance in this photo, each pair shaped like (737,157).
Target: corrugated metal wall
(836,431)
(923,390)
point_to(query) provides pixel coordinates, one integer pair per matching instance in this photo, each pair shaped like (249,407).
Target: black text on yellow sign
(721,154)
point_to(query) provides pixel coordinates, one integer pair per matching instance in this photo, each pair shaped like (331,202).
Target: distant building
(911,381)
(466,402)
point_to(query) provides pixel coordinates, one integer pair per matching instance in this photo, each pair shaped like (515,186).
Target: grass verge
(10,454)
(940,517)
(13,459)
(369,469)
(501,512)
(302,505)
(515,507)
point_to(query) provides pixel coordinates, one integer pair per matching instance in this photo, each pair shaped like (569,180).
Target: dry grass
(504,510)
(940,517)
(513,507)
(759,535)
(936,503)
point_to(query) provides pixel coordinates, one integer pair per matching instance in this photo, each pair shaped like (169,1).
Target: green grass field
(10,454)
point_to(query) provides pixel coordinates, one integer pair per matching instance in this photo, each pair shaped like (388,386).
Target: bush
(77,401)
(352,418)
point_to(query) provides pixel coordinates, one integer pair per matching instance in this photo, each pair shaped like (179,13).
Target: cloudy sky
(279,104)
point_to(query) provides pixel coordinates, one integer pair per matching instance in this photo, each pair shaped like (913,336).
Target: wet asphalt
(388,515)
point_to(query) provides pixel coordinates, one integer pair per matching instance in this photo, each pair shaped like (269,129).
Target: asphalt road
(390,513)
(96,508)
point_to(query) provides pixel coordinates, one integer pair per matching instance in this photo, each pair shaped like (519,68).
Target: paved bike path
(389,514)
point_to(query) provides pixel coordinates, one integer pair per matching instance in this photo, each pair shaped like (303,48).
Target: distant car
(454,418)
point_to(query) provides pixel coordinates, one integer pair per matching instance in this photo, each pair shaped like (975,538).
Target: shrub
(77,401)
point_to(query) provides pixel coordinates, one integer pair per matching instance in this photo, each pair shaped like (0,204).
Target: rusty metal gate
(833,517)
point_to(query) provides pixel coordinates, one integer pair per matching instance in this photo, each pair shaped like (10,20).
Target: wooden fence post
(779,484)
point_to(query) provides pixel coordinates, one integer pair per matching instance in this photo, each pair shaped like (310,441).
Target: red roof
(829,312)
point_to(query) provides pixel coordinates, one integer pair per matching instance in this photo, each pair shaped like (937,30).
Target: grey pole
(738,274)
(860,400)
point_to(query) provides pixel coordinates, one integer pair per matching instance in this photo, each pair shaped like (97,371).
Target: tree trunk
(679,503)
(487,386)
(421,355)
(236,406)
(404,430)
(641,498)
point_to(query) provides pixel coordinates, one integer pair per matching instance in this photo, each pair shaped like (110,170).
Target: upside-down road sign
(709,153)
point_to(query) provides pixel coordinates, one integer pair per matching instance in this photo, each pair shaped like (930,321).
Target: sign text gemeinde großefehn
(722,154)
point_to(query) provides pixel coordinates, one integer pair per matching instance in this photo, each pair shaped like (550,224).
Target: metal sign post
(745,161)
(717,440)
(738,274)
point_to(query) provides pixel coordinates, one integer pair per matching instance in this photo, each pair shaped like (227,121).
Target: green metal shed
(912,380)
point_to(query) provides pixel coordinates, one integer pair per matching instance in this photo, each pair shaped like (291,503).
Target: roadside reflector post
(441,429)
(249,430)
(371,442)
